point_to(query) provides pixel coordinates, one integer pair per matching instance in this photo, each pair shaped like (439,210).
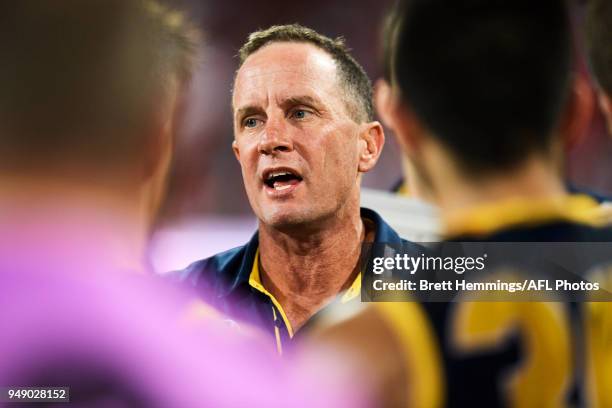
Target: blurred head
(483,81)
(90,92)
(89,88)
(411,179)
(303,126)
(390,26)
(598,34)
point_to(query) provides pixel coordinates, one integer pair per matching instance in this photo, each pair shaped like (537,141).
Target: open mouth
(281,179)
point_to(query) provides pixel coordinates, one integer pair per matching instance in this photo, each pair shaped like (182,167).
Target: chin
(287,220)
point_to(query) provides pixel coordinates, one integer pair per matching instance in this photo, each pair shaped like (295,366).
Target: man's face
(297,145)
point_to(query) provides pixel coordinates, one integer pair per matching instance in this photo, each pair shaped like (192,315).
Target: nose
(275,139)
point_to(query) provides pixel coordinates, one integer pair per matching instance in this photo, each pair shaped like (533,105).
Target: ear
(576,121)
(605,103)
(383,100)
(160,145)
(236,150)
(159,152)
(156,171)
(396,115)
(373,136)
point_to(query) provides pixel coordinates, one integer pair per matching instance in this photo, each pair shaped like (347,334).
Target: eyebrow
(300,100)
(246,111)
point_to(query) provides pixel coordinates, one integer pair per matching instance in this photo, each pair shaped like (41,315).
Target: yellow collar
(353,292)
(255,281)
(488,218)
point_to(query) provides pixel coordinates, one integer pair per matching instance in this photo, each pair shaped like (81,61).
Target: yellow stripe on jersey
(603,214)
(255,282)
(488,218)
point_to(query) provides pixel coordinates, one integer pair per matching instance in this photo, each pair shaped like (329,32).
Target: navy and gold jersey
(491,354)
(230,282)
(525,354)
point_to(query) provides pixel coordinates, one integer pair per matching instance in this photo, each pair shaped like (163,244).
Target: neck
(304,271)
(72,222)
(413,180)
(535,179)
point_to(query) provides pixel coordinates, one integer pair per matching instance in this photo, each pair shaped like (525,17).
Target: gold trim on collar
(352,292)
(255,282)
(488,218)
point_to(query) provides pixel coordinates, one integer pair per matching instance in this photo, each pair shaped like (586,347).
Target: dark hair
(353,78)
(81,80)
(599,36)
(487,77)
(388,37)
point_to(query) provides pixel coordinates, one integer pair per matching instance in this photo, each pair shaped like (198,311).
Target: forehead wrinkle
(297,92)
(251,77)
(312,66)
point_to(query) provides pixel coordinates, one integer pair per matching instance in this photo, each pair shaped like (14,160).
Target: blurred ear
(236,150)
(605,103)
(373,137)
(160,150)
(383,102)
(398,117)
(162,129)
(576,120)
(155,184)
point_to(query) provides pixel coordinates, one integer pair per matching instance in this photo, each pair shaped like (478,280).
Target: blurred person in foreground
(304,135)
(598,30)
(408,207)
(411,193)
(480,103)
(90,92)
(491,129)
(87,116)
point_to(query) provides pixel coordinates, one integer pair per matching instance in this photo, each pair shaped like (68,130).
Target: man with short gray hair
(304,136)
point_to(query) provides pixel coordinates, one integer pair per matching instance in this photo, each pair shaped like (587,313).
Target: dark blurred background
(207,210)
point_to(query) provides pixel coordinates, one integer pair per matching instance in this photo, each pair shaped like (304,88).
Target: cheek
(248,163)
(341,160)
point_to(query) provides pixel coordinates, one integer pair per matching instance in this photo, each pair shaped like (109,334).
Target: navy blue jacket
(223,280)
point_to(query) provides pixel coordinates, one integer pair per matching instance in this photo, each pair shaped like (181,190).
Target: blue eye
(300,114)
(250,122)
